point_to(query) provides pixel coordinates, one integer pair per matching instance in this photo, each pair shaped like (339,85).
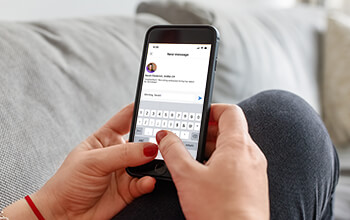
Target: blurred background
(45,9)
(55,56)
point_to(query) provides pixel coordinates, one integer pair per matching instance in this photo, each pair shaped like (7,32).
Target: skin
(233,183)
(151,67)
(92,182)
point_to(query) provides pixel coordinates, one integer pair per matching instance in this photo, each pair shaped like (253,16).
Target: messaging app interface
(172,93)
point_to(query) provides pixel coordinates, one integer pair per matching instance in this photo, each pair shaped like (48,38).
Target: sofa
(60,80)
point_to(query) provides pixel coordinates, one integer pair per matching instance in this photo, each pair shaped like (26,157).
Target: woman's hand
(233,183)
(92,182)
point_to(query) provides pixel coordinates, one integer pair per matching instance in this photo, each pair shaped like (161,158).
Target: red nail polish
(212,123)
(150,150)
(160,135)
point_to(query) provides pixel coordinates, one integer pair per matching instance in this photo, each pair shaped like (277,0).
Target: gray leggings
(303,166)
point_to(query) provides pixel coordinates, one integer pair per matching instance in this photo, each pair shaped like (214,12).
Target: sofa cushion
(336,79)
(59,82)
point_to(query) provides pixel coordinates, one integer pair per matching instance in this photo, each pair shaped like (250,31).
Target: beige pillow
(336,79)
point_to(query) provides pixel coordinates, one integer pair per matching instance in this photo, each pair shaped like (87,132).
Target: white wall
(48,9)
(245,3)
(343,5)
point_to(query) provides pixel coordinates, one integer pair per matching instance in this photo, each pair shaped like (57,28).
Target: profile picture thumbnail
(151,67)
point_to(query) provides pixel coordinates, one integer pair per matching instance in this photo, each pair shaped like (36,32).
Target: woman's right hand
(233,183)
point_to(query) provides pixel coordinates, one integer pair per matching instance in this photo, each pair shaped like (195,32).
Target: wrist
(45,204)
(48,205)
(19,210)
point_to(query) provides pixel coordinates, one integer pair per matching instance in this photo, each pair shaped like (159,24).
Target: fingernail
(150,150)
(212,123)
(160,135)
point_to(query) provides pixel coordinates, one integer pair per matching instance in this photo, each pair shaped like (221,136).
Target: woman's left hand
(92,182)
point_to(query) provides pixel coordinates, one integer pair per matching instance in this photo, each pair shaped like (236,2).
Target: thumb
(115,157)
(176,157)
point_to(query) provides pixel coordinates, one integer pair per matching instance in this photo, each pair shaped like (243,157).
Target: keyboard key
(184,135)
(165,114)
(187,126)
(148,131)
(178,115)
(141,139)
(155,131)
(159,114)
(139,131)
(183,125)
(190,145)
(185,116)
(171,124)
(177,125)
(190,125)
(198,117)
(195,136)
(140,112)
(153,113)
(153,140)
(197,126)
(177,133)
(193,153)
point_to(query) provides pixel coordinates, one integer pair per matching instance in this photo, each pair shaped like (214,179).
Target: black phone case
(154,169)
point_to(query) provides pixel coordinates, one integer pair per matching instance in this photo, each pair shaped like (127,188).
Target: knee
(279,104)
(281,109)
(299,151)
(280,119)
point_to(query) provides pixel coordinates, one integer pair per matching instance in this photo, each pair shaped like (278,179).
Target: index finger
(121,122)
(112,132)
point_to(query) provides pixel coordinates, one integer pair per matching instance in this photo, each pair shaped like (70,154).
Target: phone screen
(172,93)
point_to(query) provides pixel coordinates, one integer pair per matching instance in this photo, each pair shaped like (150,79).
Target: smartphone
(174,90)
